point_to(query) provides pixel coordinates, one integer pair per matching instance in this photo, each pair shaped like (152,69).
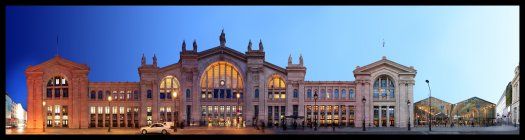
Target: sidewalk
(298,131)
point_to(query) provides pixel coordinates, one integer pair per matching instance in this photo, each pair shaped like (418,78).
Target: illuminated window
(100,109)
(107,110)
(277,86)
(57,84)
(93,110)
(121,110)
(384,86)
(222,79)
(168,86)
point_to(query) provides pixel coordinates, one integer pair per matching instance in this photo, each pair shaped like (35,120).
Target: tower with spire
(154,60)
(183,45)
(290,59)
(261,48)
(250,45)
(143,61)
(195,45)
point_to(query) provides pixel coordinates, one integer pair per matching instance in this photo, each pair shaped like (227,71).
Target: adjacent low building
(15,115)
(515,106)
(440,111)
(474,111)
(503,106)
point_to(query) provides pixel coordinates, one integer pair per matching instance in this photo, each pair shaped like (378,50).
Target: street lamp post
(238,110)
(315,105)
(43,116)
(110,113)
(429,107)
(364,111)
(408,108)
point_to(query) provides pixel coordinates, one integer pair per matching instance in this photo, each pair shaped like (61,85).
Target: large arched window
(276,88)
(309,93)
(336,94)
(221,80)
(352,94)
(100,95)
(384,87)
(168,86)
(343,93)
(56,85)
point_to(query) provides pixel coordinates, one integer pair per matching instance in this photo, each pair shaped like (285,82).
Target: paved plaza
(493,130)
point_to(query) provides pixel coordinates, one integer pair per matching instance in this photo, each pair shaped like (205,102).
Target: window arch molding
(276,86)
(384,85)
(56,86)
(221,80)
(169,84)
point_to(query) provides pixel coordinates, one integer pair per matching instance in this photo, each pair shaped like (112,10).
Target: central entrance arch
(222,90)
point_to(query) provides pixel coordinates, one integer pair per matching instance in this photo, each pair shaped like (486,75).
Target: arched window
(55,85)
(336,94)
(221,80)
(295,93)
(343,93)
(323,94)
(93,95)
(108,93)
(352,94)
(384,86)
(256,95)
(149,94)
(276,87)
(136,95)
(100,95)
(168,86)
(309,93)
(188,93)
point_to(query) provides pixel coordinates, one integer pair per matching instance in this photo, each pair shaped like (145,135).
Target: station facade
(219,87)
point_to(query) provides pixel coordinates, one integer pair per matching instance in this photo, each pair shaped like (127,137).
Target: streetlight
(429,107)
(43,116)
(238,110)
(408,108)
(110,113)
(364,111)
(315,105)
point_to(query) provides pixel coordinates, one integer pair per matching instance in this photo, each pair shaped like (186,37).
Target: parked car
(155,128)
(169,124)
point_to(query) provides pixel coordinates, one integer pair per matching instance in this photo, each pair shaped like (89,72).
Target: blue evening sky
(464,51)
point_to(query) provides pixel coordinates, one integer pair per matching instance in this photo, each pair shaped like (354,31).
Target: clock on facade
(222,83)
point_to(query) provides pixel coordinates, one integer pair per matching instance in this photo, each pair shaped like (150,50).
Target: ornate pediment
(57,61)
(382,64)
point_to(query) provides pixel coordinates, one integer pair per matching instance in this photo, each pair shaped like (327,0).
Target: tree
(508,95)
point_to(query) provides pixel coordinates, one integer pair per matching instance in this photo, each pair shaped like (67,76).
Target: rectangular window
(295,110)
(65,93)
(107,110)
(270,114)
(100,110)
(92,110)
(162,95)
(121,110)
(57,93)
(49,93)
(256,110)
(391,115)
